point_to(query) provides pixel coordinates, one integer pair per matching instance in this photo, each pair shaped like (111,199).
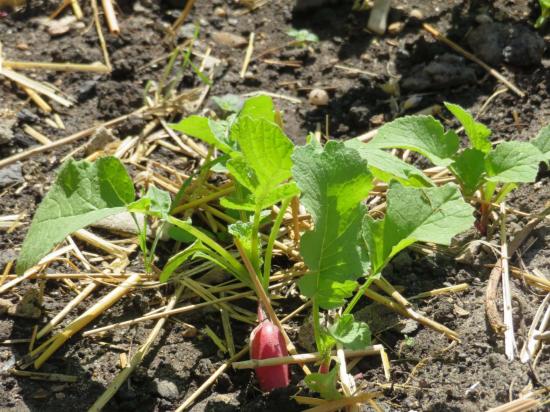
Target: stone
(227,39)
(446,70)
(220,12)
(167,389)
(28,307)
(416,14)
(11,175)
(6,130)
(318,97)
(396,27)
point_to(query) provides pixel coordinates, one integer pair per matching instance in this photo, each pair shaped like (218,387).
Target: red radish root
(266,341)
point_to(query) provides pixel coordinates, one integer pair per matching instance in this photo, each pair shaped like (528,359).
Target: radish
(266,341)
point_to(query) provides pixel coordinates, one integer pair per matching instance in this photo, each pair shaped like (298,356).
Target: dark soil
(426,375)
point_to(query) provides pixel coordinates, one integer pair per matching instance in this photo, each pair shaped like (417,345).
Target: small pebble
(167,389)
(220,12)
(396,27)
(416,14)
(229,39)
(318,97)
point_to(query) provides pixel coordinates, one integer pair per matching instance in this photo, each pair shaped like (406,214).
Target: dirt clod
(444,71)
(167,389)
(515,44)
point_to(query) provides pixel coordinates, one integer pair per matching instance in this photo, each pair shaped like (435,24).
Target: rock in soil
(447,70)
(223,38)
(514,44)
(6,132)
(28,307)
(167,389)
(318,97)
(218,403)
(11,175)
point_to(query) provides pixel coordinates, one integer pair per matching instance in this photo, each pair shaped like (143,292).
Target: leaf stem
(271,241)
(255,257)
(237,266)
(316,324)
(142,236)
(360,292)
(158,234)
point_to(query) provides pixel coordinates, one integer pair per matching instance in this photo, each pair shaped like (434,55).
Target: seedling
(302,37)
(544,13)
(490,172)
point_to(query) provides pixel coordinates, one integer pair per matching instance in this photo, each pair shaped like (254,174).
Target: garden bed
(428,372)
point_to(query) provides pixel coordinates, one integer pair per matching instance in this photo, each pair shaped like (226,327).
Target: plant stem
(485,209)
(316,324)
(255,256)
(272,237)
(142,236)
(151,256)
(360,292)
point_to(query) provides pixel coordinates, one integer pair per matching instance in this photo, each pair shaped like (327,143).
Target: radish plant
(347,245)
(491,172)
(258,161)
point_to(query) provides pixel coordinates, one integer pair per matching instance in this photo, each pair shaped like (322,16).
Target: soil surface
(351,64)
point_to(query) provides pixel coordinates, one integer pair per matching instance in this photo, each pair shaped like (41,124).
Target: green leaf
(266,149)
(542,142)
(265,162)
(156,203)
(303,35)
(431,215)
(325,343)
(229,103)
(238,203)
(82,193)
(219,255)
(544,13)
(351,334)
(259,107)
(333,182)
(179,259)
(477,132)
(422,134)
(278,194)
(469,168)
(207,130)
(324,383)
(242,231)
(386,167)
(513,162)
(242,172)
(180,235)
